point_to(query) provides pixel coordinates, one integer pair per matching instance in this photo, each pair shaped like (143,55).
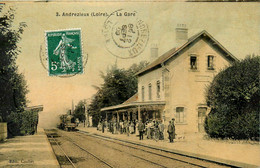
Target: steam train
(67,122)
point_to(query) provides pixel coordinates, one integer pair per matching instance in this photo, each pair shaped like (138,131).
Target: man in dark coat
(103,126)
(141,130)
(171,130)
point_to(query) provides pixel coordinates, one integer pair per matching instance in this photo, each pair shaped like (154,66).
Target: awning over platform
(133,104)
(133,109)
(38,108)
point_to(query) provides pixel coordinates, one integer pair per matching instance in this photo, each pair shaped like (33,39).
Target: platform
(233,153)
(28,151)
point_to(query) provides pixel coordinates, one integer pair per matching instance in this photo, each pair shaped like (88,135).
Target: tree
(13,88)
(29,121)
(119,85)
(79,111)
(95,106)
(234,97)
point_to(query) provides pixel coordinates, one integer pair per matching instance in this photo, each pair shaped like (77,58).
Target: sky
(234,25)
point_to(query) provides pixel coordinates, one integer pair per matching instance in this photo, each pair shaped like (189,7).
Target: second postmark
(126,35)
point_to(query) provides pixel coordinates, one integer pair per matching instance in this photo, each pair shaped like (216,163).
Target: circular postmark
(126,35)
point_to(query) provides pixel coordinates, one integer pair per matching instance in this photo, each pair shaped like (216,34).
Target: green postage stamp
(64,52)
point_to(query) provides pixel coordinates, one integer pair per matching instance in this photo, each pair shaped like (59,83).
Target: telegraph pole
(86,113)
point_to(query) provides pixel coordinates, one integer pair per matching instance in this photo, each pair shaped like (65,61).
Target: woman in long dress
(131,128)
(61,51)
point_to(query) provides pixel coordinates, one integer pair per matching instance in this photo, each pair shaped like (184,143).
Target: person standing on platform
(124,124)
(127,127)
(161,130)
(149,125)
(103,126)
(114,127)
(121,124)
(141,130)
(171,130)
(106,125)
(137,123)
(117,127)
(131,128)
(134,122)
(111,126)
(173,125)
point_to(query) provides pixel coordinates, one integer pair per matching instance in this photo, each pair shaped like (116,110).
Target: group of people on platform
(122,127)
(152,129)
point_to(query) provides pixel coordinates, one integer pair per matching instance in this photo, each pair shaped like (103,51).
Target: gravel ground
(166,155)
(76,155)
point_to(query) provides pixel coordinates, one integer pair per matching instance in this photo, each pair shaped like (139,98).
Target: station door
(201,118)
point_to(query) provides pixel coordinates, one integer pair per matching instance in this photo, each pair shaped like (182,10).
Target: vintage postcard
(129,84)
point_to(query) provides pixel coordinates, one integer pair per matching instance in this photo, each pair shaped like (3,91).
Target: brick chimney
(154,52)
(181,34)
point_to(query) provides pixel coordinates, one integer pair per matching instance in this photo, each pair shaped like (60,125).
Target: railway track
(137,157)
(138,148)
(181,158)
(151,162)
(127,149)
(51,136)
(85,150)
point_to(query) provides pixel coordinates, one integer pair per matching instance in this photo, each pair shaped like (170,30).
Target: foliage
(13,88)
(79,111)
(22,123)
(119,85)
(234,98)
(29,122)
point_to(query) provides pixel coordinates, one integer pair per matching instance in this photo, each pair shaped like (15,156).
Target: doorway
(201,118)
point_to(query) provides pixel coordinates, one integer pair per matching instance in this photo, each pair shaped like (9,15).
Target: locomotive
(67,122)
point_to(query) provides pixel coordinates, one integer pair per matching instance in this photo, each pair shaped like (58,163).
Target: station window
(210,62)
(158,89)
(150,91)
(193,62)
(179,118)
(142,93)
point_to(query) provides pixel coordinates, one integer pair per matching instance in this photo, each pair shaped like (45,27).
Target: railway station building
(174,84)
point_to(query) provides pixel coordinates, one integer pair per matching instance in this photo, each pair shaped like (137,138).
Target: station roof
(132,102)
(37,108)
(174,52)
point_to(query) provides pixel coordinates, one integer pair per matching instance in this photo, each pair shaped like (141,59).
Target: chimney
(154,52)
(181,34)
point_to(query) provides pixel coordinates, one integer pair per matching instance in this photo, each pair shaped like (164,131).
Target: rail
(136,146)
(83,149)
(63,151)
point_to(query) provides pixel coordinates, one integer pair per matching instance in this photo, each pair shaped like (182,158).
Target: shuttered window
(210,62)
(150,91)
(142,93)
(193,62)
(180,116)
(158,89)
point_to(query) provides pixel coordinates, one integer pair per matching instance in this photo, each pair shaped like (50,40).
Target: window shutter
(185,114)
